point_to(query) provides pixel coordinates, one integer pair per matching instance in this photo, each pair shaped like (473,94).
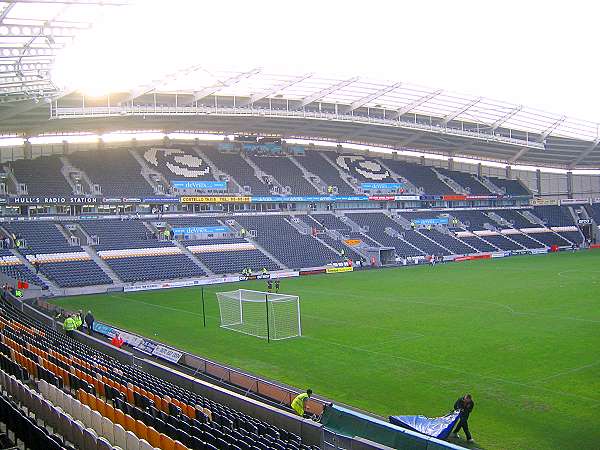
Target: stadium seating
(282,240)
(177,164)
(467,181)
(116,234)
(23,273)
(479,244)
(116,171)
(474,220)
(40,237)
(363,169)
(75,273)
(512,187)
(164,267)
(551,239)
(239,170)
(593,211)
(315,163)
(526,240)
(105,402)
(377,224)
(502,242)
(286,173)
(516,218)
(554,216)
(421,176)
(42,176)
(329,221)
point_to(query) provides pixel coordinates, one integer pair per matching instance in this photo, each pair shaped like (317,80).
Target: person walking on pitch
(465,405)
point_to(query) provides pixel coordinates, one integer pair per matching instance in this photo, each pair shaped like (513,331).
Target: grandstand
(211,178)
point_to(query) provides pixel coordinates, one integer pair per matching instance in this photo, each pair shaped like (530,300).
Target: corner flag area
(520,334)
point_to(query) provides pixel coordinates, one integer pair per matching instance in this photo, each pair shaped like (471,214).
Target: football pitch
(521,334)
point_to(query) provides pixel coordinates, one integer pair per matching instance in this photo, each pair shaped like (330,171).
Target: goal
(261,314)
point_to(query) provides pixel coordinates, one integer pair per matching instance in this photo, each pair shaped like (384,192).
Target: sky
(543,54)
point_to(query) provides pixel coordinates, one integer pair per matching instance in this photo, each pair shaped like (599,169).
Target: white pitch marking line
(567,372)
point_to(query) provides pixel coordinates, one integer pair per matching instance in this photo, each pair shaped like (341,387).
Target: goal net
(261,314)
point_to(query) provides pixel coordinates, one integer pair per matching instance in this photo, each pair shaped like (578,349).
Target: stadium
(183,258)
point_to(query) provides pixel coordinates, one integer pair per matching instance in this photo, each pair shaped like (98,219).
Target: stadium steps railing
(218,173)
(191,256)
(102,264)
(69,167)
(313,179)
(343,175)
(249,237)
(260,174)
(146,171)
(453,185)
(51,285)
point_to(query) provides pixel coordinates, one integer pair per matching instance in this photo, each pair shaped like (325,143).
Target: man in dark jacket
(89,321)
(465,405)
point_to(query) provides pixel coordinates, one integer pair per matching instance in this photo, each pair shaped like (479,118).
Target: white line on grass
(453,305)
(566,372)
(452,369)
(160,306)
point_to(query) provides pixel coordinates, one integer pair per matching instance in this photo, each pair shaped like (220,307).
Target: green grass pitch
(521,334)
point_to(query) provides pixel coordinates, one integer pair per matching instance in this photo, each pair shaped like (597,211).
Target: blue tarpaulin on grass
(438,427)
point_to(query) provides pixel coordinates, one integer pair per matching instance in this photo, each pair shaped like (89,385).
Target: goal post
(265,315)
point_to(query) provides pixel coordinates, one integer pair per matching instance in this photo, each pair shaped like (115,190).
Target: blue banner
(381,186)
(438,427)
(311,198)
(438,221)
(199,230)
(216,185)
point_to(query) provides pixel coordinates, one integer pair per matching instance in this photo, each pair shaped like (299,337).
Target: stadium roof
(31,34)
(308,106)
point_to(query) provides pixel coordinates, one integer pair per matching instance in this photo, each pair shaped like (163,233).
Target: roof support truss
(585,153)
(460,110)
(210,90)
(275,89)
(325,92)
(519,155)
(369,98)
(415,104)
(509,115)
(551,128)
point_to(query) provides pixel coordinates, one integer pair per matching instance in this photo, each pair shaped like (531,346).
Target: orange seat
(129,423)
(120,417)
(153,437)
(82,396)
(109,412)
(180,446)
(92,402)
(101,406)
(141,430)
(166,443)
